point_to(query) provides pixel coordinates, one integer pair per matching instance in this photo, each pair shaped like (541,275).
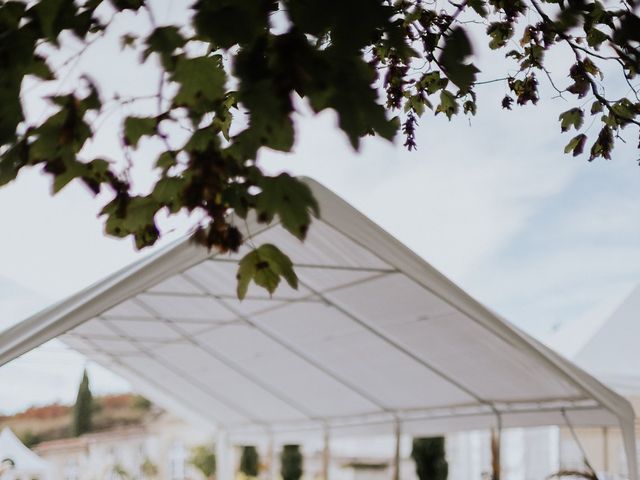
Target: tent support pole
(496,441)
(224,463)
(326,455)
(496,465)
(396,457)
(273,472)
(585,459)
(605,448)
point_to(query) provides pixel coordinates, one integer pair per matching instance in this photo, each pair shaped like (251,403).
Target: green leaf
(433,82)
(280,263)
(40,69)
(49,14)
(625,110)
(135,216)
(67,168)
(265,265)
(202,81)
(288,198)
(596,107)
(573,117)
(479,6)
(231,22)
(166,160)
(448,104)
(595,38)
(127,4)
(576,145)
(469,107)
(603,145)
(246,272)
(456,49)
(591,67)
(11,162)
(500,33)
(137,127)
(164,41)
(168,192)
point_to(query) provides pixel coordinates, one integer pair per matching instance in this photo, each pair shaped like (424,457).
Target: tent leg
(496,465)
(627,427)
(326,455)
(396,457)
(605,448)
(224,462)
(273,471)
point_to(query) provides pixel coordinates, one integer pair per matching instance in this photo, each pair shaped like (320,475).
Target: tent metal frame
(177,258)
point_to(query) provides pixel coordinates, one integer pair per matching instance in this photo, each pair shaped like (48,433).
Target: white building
(159,449)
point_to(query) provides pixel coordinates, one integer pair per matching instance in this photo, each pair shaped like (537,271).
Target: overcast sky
(540,237)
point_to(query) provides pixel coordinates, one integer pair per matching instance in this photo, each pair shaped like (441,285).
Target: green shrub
(141,403)
(429,457)
(250,461)
(204,459)
(291,462)
(29,439)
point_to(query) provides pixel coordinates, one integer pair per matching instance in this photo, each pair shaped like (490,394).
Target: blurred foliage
(139,402)
(149,469)
(230,78)
(291,462)
(250,461)
(203,458)
(29,439)
(430,458)
(83,408)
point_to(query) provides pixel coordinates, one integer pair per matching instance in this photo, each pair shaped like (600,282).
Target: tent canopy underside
(373,336)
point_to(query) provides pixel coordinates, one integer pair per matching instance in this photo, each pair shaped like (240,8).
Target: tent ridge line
(318,266)
(229,363)
(159,293)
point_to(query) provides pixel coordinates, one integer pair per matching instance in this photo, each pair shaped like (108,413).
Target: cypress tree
(291,462)
(83,408)
(429,457)
(249,461)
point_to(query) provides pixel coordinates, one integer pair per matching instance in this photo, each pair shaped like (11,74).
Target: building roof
(373,338)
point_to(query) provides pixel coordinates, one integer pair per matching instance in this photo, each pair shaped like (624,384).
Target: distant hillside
(52,422)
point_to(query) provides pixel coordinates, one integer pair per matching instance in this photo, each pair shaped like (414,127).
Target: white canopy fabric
(374,338)
(25,462)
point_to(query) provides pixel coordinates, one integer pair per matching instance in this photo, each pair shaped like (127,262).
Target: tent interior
(373,340)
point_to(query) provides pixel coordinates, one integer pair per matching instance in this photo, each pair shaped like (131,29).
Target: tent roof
(373,336)
(24,459)
(609,351)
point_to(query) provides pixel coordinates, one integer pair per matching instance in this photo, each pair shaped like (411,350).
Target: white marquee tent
(606,344)
(24,463)
(374,340)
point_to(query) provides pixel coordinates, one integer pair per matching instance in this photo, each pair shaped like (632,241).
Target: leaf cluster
(231,78)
